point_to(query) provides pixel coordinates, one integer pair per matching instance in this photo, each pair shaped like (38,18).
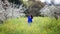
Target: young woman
(30,17)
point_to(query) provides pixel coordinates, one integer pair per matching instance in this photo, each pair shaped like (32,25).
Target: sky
(57,1)
(49,1)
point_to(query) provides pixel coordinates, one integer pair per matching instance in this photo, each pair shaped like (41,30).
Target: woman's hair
(31,16)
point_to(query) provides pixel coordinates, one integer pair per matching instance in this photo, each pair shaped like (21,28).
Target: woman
(30,17)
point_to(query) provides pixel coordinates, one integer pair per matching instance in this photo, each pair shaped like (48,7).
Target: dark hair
(31,16)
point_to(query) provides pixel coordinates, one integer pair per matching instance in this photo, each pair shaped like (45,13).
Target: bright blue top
(29,19)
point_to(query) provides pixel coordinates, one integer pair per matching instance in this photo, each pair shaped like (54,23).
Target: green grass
(40,25)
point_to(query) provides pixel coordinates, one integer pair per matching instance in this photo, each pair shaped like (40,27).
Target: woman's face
(30,16)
